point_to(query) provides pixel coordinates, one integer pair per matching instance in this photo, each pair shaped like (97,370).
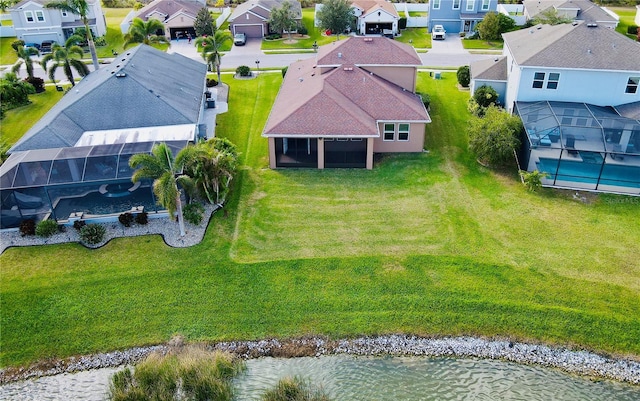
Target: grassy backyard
(627,15)
(18,121)
(479,44)
(430,244)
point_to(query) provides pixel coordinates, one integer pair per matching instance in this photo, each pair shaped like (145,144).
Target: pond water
(369,378)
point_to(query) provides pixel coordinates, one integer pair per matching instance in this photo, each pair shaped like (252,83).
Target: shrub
(142,218)
(211,82)
(78,224)
(273,36)
(193,213)
(27,227)
(632,29)
(101,41)
(92,233)
(494,138)
(464,76)
(426,99)
(284,71)
(532,180)
(38,83)
(126,219)
(46,228)
(486,96)
(402,23)
(302,30)
(16,44)
(243,71)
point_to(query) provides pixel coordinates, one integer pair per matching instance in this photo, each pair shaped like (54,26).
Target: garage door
(39,37)
(252,31)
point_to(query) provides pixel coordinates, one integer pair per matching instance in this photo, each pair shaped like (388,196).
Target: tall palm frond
(211,46)
(68,57)
(24,57)
(144,32)
(81,8)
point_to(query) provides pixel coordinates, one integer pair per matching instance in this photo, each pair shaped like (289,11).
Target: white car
(438,32)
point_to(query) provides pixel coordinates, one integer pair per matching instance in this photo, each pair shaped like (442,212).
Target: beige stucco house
(355,98)
(252,16)
(177,16)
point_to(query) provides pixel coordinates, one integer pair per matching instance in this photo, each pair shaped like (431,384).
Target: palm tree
(211,165)
(144,32)
(211,46)
(81,8)
(24,57)
(161,167)
(65,57)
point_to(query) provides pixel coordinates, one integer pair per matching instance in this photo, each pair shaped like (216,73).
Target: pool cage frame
(35,184)
(580,146)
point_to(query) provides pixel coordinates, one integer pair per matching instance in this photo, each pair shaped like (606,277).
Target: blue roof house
(576,88)
(459,15)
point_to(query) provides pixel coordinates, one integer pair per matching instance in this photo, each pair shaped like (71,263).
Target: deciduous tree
(336,16)
(283,18)
(204,24)
(494,137)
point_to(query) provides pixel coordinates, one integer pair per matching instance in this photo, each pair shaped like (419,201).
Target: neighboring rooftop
(368,51)
(490,69)
(582,46)
(168,8)
(266,5)
(587,10)
(143,87)
(369,6)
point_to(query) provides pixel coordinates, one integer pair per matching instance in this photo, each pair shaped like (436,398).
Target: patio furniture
(570,145)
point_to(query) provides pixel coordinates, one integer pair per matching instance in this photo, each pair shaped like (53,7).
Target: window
(29,16)
(552,83)
(632,85)
(436,4)
(471,4)
(40,16)
(403,132)
(456,4)
(389,132)
(538,80)
(485,5)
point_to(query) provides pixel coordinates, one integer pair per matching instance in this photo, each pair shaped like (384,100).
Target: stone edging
(578,362)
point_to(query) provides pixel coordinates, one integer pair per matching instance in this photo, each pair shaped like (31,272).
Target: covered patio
(581,146)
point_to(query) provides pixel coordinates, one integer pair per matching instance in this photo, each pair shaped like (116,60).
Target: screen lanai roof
(144,87)
(592,126)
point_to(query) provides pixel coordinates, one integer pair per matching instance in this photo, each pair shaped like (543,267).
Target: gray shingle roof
(574,45)
(170,7)
(629,110)
(144,87)
(268,5)
(587,10)
(490,70)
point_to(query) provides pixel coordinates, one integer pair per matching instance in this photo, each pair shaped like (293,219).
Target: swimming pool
(585,172)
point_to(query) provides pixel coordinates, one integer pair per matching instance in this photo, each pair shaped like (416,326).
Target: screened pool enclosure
(88,181)
(581,146)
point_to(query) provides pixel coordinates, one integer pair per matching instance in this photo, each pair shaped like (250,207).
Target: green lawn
(429,244)
(314,35)
(474,44)
(18,121)
(7,54)
(417,37)
(627,16)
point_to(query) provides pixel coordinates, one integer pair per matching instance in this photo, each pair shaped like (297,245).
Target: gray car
(240,39)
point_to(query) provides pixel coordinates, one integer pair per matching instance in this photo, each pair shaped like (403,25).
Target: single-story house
(74,161)
(252,17)
(177,16)
(575,10)
(355,98)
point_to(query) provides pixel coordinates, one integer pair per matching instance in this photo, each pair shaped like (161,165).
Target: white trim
(38,17)
(453,6)
(471,3)
(28,13)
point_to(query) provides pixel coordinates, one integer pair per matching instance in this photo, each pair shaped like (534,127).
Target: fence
(414,22)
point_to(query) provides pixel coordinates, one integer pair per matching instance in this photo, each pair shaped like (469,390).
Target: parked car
(46,45)
(32,45)
(240,39)
(438,32)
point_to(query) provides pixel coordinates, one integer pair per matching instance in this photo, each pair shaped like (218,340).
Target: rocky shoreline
(577,362)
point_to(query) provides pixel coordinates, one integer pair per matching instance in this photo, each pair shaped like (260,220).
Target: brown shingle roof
(346,101)
(368,51)
(370,6)
(170,8)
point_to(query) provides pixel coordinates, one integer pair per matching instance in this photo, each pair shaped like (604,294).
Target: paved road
(446,53)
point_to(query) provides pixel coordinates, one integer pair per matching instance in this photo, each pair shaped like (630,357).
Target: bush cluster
(243,71)
(27,227)
(46,228)
(142,218)
(273,36)
(78,224)
(211,82)
(193,213)
(92,233)
(126,219)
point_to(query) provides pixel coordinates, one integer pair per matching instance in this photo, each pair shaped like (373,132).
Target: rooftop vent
(121,75)
(574,23)
(339,55)
(592,25)
(300,79)
(348,68)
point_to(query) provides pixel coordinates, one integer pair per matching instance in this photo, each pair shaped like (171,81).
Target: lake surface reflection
(369,378)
